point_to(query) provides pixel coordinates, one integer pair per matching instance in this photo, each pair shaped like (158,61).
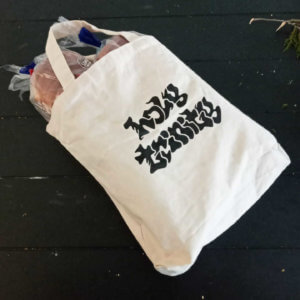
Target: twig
(293,22)
(293,41)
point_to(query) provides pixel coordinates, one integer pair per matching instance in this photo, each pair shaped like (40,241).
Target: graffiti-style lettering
(189,123)
(157,113)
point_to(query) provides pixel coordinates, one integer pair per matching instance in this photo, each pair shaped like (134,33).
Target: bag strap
(55,55)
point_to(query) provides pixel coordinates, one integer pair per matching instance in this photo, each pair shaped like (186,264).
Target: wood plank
(252,86)
(76,212)
(127,274)
(29,151)
(59,211)
(273,222)
(190,38)
(14,10)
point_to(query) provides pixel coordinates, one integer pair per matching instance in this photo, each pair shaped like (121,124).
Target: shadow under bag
(180,163)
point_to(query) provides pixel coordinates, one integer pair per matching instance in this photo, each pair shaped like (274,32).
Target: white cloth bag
(179,161)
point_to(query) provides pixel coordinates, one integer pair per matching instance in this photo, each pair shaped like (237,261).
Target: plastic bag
(38,76)
(19,82)
(110,44)
(44,85)
(84,38)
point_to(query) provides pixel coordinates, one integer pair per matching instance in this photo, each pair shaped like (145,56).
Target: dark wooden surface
(60,235)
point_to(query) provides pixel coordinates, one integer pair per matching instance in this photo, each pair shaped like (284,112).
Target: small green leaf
(293,41)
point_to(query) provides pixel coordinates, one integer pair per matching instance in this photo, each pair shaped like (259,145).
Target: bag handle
(55,55)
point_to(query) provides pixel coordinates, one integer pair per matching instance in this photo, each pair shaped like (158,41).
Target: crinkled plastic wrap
(44,85)
(111,44)
(38,77)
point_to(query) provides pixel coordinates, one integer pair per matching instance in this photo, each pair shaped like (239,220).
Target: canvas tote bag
(180,163)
